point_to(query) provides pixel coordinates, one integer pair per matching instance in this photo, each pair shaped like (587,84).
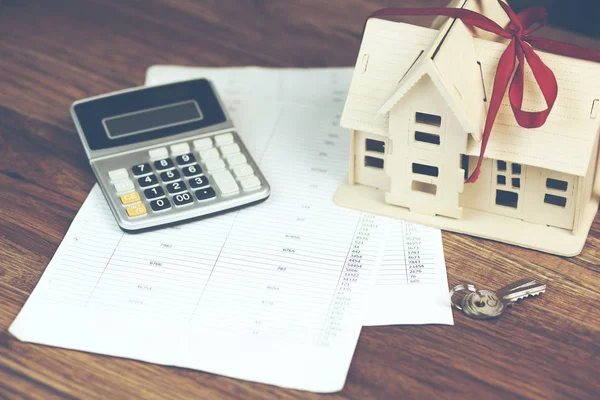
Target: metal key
(520,290)
(485,304)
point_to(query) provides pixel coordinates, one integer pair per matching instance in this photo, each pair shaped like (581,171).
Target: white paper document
(274,293)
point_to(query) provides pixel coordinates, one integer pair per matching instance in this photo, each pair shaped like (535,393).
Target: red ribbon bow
(519,49)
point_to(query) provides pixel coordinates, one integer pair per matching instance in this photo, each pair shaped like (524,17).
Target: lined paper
(275,293)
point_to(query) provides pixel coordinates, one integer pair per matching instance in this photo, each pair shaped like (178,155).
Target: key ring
(460,288)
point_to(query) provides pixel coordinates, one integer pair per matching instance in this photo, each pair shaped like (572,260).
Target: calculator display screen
(154,118)
(148,113)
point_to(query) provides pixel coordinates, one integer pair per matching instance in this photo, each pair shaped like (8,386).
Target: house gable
(453,67)
(427,68)
(387,52)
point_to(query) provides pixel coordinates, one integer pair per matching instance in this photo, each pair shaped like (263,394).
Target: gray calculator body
(166,154)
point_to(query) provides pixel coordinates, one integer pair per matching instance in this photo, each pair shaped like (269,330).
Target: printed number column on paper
(420,259)
(354,279)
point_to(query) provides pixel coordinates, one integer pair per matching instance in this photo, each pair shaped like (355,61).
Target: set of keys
(486,304)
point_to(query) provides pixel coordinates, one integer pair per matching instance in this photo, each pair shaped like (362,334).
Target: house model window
(506,172)
(428,119)
(556,185)
(427,137)
(420,108)
(373,162)
(375,145)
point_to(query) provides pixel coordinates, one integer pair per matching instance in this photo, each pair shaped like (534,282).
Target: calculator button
(163,164)
(136,210)
(192,170)
(118,174)
(186,159)
(180,148)
(205,194)
(176,187)
(198,182)
(129,198)
(150,180)
(203,144)
(125,185)
(250,183)
(170,176)
(154,192)
(183,199)
(242,170)
(160,204)
(141,169)
(230,149)
(236,159)
(214,165)
(225,182)
(159,153)
(209,154)
(224,139)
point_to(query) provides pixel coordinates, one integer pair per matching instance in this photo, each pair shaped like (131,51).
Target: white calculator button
(242,170)
(118,174)
(125,185)
(224,139)
(209,154)
(203,144)
(230,149)
(180,148)
(225,182)
(250,183)
(214,165)
(236,159)
(156,154)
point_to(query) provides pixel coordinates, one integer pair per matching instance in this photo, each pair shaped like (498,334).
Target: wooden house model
(416,109)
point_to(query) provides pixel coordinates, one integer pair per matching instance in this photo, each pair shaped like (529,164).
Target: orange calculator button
(128,198)
(136,210)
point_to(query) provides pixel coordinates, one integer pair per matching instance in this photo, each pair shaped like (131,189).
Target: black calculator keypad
(163,164)
(160,204)
(154,192)
(192,170)
(198,182)
(170,176)
(183,198)
(176,187)
(171,181)
(205,194)
(150,180)
(186,159)
(141,169)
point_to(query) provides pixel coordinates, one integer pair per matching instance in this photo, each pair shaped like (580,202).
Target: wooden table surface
(55,52)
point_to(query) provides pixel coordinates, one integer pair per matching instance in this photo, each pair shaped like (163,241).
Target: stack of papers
(274,293)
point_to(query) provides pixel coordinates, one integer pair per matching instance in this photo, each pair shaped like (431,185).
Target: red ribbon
(519,49)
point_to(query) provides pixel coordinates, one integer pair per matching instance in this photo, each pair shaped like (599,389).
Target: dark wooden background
(54,52)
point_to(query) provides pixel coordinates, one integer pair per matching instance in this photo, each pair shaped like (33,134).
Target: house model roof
(566,141)
(394,56)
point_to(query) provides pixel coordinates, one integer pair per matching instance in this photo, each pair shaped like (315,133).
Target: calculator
(167,154)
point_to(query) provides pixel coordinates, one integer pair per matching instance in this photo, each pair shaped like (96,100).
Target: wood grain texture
(54,52)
